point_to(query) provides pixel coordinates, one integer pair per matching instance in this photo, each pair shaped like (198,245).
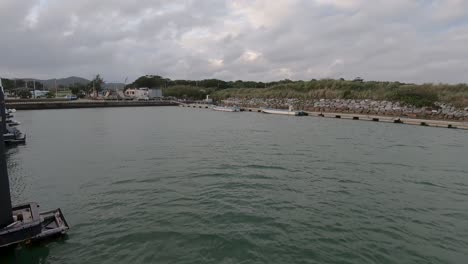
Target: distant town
(357,88)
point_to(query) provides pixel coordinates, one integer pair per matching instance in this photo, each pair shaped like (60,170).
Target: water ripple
(197,186)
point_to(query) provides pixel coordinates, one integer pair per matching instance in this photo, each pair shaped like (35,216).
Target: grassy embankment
(188,92)
(411,94)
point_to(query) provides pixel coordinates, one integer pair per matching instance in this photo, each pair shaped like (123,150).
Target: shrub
(24,94)
(415,96)
(50,95)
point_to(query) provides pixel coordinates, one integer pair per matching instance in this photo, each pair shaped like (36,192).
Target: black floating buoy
(424,124)
(375,119)
(338,116)
(321,115)
(397,121)
(355,118)
(451,126)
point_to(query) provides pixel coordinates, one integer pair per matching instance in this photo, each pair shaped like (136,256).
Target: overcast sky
(405,40)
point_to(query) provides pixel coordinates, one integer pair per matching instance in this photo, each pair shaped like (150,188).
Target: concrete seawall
(363,107)
(40,105)
(452,124)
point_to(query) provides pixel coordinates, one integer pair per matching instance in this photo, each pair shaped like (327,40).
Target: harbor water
(178,185)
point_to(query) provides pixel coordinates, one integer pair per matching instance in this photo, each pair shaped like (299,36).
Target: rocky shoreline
(441,111)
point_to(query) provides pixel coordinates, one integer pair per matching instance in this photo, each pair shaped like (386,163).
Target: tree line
(22,88)
(414,94)
(158,81)
(407,93)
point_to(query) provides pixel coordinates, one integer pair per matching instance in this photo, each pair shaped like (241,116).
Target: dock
(395,120)
(361,117)
(67,104)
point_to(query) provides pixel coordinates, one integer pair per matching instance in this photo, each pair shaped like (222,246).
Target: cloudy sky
(405,40)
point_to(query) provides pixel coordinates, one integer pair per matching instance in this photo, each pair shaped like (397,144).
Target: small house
(144,93)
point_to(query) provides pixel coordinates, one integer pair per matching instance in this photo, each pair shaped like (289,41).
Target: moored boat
(29,225)
(23,223)
(226,109)
(12,122)
(14,136)
(289,111)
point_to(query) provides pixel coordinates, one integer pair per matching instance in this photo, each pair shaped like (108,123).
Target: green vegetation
(18,87)
(414,96)
(158,81)
(24,94)
(95,86)
(50,94)
(187,92)
(8,84)
(411,94)
(78,89)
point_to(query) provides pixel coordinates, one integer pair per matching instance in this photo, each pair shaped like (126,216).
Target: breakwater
(39,105)
(454,124)
(367,107)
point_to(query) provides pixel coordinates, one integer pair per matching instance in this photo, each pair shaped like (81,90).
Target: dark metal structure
(24,222)
(6,216)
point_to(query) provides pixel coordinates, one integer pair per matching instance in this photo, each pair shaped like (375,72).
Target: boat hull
(29,226)
(283,112)
(226,109)
(53,224)
(36,227)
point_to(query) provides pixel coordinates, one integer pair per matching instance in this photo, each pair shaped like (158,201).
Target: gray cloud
(414,41)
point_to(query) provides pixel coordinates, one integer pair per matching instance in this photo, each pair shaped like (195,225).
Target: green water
(178,185)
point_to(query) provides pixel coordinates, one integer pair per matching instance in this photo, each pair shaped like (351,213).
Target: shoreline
(449,124)
(439,111)
(324,113)
(44,105)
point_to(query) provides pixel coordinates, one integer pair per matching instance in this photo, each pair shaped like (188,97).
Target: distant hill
(64,81)
(50,83)
(114,86)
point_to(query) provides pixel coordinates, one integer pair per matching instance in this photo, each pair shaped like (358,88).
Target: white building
(144,93)
(39,94)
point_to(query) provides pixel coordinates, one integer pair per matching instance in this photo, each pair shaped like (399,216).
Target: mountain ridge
(67,81)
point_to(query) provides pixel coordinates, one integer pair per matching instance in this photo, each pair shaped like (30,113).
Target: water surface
(178,185)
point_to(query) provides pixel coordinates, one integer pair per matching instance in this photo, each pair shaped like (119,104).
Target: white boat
(226,109)
(12,122)
(290,112)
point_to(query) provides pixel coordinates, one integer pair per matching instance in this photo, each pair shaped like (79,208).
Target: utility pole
(26,86)
(55,84)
